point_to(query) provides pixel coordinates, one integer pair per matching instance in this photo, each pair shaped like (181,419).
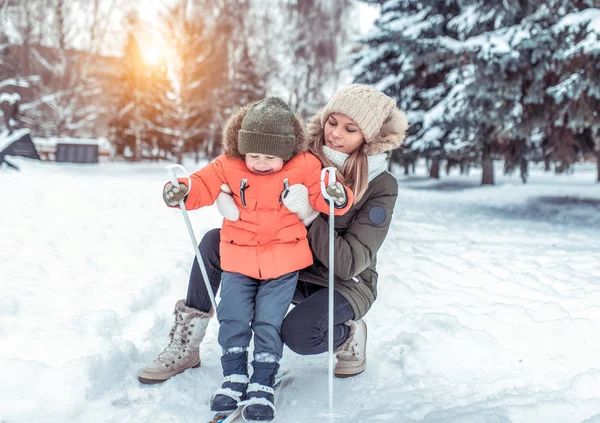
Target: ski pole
(331,180)
(172,170)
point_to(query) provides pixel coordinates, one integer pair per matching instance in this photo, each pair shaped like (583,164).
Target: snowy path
(488,310)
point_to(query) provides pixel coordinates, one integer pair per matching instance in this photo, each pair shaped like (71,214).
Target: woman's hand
(295,198)
(226,204)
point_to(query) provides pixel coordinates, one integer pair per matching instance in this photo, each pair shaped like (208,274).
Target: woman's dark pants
(304,328)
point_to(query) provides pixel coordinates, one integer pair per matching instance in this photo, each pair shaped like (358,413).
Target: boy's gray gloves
(338,193)
(226,204)
(295,198)
(172,195)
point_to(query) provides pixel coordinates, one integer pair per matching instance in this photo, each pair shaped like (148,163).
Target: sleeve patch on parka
(377,215)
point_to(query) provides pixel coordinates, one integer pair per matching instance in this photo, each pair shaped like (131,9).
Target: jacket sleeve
(206,184)
(312,181)
(356,249)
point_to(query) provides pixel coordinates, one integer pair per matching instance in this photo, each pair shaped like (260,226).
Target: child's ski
(282,379)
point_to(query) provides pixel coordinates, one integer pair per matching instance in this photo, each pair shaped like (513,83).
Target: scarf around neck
(377,163)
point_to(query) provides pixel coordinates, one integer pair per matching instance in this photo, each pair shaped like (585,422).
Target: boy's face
(261,164)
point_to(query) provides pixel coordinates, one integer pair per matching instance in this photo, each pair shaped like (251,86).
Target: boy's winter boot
(260,396)
(351,355)
(233,389)
(183,351)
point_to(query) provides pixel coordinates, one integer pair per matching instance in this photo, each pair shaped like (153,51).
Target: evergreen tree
(247,85)
(201,73)
(575,93)
(129,127)
(162,113)
(528,86)
(484,79)
(406,56)
(312,37)
(248,82)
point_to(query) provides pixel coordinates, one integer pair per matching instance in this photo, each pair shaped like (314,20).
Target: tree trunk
(524,166)
(598,164)
(414,167)
(406,168)
(487,165)
(138,144)
(434,171)
(180,155)
(547,165)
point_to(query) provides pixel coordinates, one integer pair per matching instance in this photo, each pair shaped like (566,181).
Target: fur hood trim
(234,124)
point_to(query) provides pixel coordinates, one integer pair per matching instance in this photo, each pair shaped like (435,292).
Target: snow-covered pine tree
(575,90)
(474,77)
(525,95)
(492,116)
(314,31)
(130,124)
(247,81)
(22,27)
(161,113)
(200,70)
(405,56)
(50,54)
(247,85)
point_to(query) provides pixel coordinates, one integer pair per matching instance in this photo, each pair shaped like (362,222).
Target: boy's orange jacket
(268,240)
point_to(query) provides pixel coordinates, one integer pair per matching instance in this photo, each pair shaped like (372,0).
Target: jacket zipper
(286,188)
(243,187)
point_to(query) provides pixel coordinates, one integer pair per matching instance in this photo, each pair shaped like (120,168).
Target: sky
(487,311)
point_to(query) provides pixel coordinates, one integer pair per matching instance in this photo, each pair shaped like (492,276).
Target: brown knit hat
(365,105)
(268,128)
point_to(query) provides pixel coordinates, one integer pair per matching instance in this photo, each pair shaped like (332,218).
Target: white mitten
(226,204)
(296,200)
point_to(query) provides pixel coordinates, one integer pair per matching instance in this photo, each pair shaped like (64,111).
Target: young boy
(263,250)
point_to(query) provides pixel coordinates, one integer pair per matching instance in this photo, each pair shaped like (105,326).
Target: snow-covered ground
(488,309)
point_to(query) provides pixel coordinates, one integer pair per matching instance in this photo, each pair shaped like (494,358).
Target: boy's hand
(226,204)
(172,195)
(338,193)
(296,200)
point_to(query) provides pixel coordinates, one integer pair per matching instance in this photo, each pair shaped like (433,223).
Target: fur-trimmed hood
(390,136)
(234,124)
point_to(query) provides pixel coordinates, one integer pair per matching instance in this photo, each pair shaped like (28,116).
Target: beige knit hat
(365,105)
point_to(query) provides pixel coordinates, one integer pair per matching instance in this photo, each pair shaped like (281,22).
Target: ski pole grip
(172,169)
(331,171)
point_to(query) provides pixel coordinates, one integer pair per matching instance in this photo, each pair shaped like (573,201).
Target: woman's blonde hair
(355,172)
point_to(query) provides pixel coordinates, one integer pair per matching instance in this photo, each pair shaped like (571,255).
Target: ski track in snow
(488,307)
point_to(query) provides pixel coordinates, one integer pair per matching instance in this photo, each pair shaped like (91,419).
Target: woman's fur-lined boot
(183,351)
(352,354)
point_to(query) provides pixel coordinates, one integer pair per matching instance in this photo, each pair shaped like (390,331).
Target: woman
(354,132)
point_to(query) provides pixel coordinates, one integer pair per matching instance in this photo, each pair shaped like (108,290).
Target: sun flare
(151,54)
(151,47)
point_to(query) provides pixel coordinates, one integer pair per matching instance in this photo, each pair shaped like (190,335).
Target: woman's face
(342,134)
